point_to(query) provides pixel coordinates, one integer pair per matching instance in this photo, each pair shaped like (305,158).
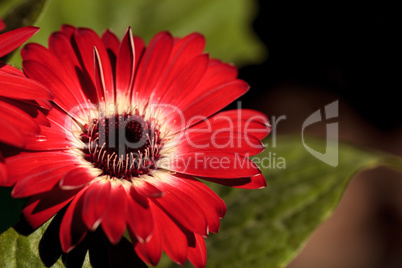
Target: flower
(130,130)
(20,98)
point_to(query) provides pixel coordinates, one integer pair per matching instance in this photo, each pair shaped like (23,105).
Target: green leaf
(24,13)
(227,24)
(267,227)
(19,250)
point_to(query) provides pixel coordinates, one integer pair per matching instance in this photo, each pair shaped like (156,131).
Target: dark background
(351,51)
(320,53)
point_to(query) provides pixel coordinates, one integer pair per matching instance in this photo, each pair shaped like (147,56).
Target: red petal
(152,64)
(32,109)
(15,124)
(217,98)
(184,81)
(174,241)
(198,255)
(58,119)
(137,197)
(114,220)
(63,96)
(180,206)
(139,46)
(42,207)
(257,182)
(48,139)
(41,179)
(252,122)
(213,164)
(187,48)
(32,161)
(54,62)
(75,179)
(125,64)
(150,251)
(67,30)
(148,190)
(61,47)
(99,77)
(111,42)
(139,220)
(181,60)
(221,141)
(43,104)
(217,73)
(86,40)
(13,39)
(249,122)
(96,200)
(213,199)
(72,229)
(18,118)
(19,87)
(10,70)
(10,134)
(211,204)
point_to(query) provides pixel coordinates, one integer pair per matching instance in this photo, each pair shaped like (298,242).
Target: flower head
(20,98)
(130,130)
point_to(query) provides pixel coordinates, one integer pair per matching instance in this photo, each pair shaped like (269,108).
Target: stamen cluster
(122,146)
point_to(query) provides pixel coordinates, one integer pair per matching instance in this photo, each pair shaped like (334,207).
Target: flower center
(122,146)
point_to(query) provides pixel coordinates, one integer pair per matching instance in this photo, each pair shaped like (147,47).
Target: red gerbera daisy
(20,97)
(130,129)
